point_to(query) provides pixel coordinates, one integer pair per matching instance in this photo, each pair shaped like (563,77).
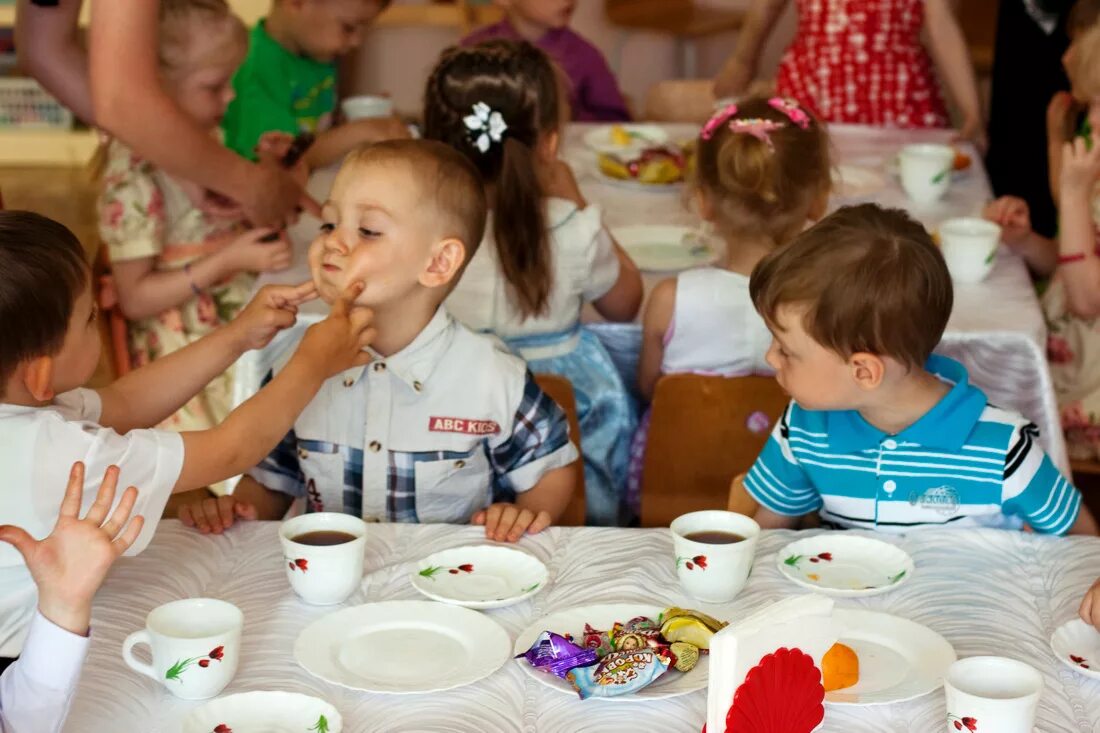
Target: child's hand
(69,566)
(505,522)
(216,514)
(339,342)
(250,253)
(557,180)
(1090,606)
(1012,215)
(271,310)
(1080,167)
(1057,111)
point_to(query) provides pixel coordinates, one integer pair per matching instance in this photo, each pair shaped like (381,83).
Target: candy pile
(628,656)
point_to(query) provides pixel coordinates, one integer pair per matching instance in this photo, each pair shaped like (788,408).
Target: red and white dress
(861,61)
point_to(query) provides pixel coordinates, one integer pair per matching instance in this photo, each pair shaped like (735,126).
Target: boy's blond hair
(871,279)
(180,20)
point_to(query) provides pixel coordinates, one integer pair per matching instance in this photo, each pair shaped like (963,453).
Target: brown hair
(518,81)
(872,281)
(1082,15)
(756,188)
(42,273)
(179,20)
(447,181)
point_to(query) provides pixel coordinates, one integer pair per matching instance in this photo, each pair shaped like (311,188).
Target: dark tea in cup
(323,538)
(714,537)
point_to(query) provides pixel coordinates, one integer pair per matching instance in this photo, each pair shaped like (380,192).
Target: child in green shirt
(287,82)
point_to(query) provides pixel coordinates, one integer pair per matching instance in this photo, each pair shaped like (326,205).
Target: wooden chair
(703,431)
(111,314)
(560,390)
(686,20)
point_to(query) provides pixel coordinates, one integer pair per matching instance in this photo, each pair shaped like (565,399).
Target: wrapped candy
(619,673)
(557,655)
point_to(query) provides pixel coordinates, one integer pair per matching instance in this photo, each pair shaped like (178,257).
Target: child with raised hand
(444,426)
(546,253)
(50,349)
(593,93)
(762,173)
(287,82)
(67,566)
(864,62)
(180,272)
(881,433)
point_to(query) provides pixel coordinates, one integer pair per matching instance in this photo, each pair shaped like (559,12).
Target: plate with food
(845,566)
(264,712)
(616,139)
(620,652)
(479,576)
(656,248)
(657,168)
(1077,645)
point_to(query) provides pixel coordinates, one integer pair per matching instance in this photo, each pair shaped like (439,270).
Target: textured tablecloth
(986,591)
(996,328)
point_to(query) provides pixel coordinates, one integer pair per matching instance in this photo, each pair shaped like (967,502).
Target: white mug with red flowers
(195,643)
(992,695)
(714,551)
(323,574)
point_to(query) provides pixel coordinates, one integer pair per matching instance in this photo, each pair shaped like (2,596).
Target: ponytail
(519,228)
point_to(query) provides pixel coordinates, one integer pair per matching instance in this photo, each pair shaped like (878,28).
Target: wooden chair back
(703,432)
(560,390)
(111,314)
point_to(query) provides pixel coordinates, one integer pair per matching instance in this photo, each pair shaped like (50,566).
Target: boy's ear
(867,369)
(448,256)
(38,378)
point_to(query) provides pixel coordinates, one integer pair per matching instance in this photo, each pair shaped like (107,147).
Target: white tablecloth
(996,328)
(986,591)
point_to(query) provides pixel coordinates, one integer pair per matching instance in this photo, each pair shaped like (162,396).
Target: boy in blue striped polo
(881,433)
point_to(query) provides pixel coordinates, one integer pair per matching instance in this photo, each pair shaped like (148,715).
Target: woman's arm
(952,56)
(55,58)
(741,66)
(658,315)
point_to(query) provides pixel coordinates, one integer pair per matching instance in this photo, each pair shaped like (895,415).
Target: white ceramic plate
(572,621)
(845,566)
(665,248)
(264,712)
(402,647)
(641,136)
(479,576)
(856,181)
(898,659)
(1078,646)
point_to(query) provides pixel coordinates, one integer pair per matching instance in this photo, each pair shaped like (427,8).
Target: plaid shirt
(431,434)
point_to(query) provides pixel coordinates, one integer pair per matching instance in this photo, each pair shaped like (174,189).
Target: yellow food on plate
(619,136)
(613,167)
(687,629)
(687,655)
(712,623)
(839,668)
(660,170)
(657,166)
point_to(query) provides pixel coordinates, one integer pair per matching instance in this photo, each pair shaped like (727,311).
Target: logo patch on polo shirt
(462,425)
(942,499)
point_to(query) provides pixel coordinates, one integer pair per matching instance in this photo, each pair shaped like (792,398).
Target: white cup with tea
(195,644)
(714,551)
(969,247)
(992,693)
(925,171)
(366,106)
(323,555)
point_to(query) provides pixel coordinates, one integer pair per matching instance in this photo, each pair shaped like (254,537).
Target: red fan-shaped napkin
(782,694)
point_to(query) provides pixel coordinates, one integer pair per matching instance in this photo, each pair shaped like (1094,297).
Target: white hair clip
(486,124)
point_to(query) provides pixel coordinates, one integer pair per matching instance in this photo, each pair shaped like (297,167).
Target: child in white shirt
(51,346)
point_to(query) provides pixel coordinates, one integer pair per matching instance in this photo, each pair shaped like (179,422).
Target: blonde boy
(881,433)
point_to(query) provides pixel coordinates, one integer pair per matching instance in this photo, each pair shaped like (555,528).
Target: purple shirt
(594,95)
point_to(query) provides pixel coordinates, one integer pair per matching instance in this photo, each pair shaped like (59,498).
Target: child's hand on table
(1090,606)
(505,522)
(70,564)
(1012,215)
(254,251)
(272,309)
(216,514)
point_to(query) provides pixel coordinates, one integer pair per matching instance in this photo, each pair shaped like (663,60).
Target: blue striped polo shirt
(964,463)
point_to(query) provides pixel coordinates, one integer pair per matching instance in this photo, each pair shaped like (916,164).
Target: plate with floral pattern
(264,712)
(479,576)
(1077,645)
(844,565)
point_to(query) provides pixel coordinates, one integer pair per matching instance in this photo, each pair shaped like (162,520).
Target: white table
(986,591)
(996,328)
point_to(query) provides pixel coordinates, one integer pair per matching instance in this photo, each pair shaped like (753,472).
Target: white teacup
(365,106)
(323,574)
(710,571)
(926,171)
(992,693)
(969,247)
(196,644)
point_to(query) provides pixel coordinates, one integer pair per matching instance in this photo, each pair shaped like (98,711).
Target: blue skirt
(607,415)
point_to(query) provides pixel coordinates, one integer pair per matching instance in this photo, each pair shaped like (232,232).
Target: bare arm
(1081,277)
(658,316)
(55,58)
(621,302)
(952,56)
(333,144)
(741,66)
(1085,524)
(534,509)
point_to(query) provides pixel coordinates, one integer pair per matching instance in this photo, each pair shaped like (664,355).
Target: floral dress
(144,213)
(1073,350)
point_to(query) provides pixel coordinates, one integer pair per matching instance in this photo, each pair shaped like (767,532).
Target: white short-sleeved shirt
(585,266)
(38,446)
(432,433)
(715,328)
